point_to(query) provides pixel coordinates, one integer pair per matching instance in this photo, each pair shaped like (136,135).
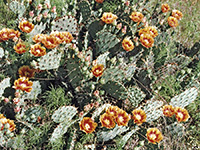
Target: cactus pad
(185,98)
(64,114)
(3,85)
(85,11)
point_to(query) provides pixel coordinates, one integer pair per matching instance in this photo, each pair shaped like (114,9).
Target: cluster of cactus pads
(116,56)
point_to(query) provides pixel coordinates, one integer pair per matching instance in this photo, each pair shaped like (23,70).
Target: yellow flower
(177,14)
(107,121)
(98,70)
(172,21)
(154,135)
(23,84)
(181,114)
(165,8)
(37,50)
(168,110)
(127,44)
(87,125)
(136,16)
(27,72)
(113,111)
(20,48)
(38,38)
(122,118)
(26,26)
(139,116)
(108,17)
(49,42)
(67,37)
(146,40)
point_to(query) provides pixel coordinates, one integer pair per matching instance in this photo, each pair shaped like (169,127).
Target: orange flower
(127,44)
(168,110)
(49,42)
(165,8)
(23,84)
(59,37)
(37,50)
(13,33)
(172,21)
(146,40)
(112,111)
(107,121)
(139,116)
(181,114)
(98,70)
(12,125)
(87,125)
(20,48)
(122,118)
(152,31)
(136,16)
(143,31)
(177,14)
(25,71)
(38,38)
(154,135)
(4,34)
(108,17)
(99,1)
(67,37)
(26,26)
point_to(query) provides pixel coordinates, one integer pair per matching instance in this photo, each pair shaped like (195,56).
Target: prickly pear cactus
(60,130)
(36,90)
(17,8)
(67,23)
(3,85)
(105,41)
(85,11)
(49,61)
(185,98)
(125,138)
(111,134)
(153,110)
(64,114)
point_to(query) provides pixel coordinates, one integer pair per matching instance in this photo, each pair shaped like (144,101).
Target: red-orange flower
(172,21)
(122,118)
(12,125)
(152,31)
(99,1)
(4,34)
(20,48)
(139,116)
(59,37)
(98,70)
(38,38)
(37,50)
(23,84)
(13,33)
(136,16)
(177,14)
(108,17)
(26,26)
(181,114)
(49,42)
(27,72)
(113,111)
(168,110)
(165,8)
(67,37)
(127,44)
(146,40)
(154,135)
(87,125)
(107,121)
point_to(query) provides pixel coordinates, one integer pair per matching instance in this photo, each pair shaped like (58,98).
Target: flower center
(138,117)
(121,119)
(153,136)
(26,28)
(23,85)
(107,121)
(87,126)
(180,115)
